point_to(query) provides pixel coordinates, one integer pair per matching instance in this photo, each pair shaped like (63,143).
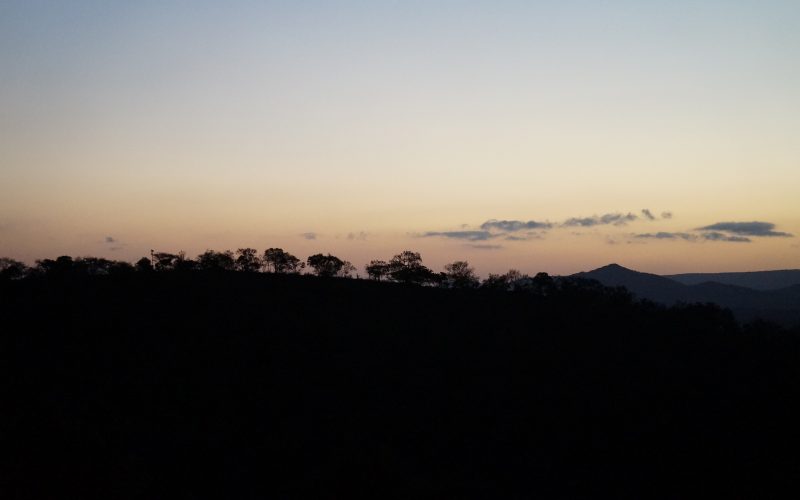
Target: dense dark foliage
(130,383)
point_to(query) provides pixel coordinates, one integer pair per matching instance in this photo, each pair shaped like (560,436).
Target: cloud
(716,236)
(666,215)
(510,226)
(461,235)
(753,228)
(113,244)
(617,219)
(360,236)
(710,236)
(309,236)
(661,235)
(648,214)
(524,237)
(485,247)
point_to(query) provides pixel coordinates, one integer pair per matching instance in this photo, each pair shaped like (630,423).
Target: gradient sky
(365,128)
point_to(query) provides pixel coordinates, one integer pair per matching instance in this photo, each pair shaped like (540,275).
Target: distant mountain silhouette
(757,280)
(780,305)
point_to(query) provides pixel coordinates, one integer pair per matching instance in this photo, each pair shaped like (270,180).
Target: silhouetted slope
(232,385)
(645,285)
(782,306)
(757,280)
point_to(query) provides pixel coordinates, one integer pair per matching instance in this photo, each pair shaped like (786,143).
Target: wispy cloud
(666,215)
(461,235)
(113,244)
(661,235)
(360,236)
(717,236)
(524,237)
(510,226)
(526,230)
(617,219)
(708,236)
(753,228)
(479,246)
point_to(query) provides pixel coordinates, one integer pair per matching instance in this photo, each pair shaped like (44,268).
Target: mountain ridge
(781,305)
(757,280)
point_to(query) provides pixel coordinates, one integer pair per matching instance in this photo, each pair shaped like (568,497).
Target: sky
(543,136)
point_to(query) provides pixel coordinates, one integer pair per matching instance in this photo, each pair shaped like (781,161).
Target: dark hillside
(758,280)
(780,305)
(238,385)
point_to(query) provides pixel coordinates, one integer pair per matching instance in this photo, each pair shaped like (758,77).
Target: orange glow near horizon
(187,129)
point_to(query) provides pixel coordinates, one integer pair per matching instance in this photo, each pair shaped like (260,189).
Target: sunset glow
(366,128)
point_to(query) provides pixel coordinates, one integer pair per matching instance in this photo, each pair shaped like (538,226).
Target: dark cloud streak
(616,219)
(510,226)
(661,235)
(708,236)
(461,235)
(753,228)
(717,236)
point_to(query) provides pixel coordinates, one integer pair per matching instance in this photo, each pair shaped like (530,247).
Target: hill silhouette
(780,305)
(757,280)
(189,384)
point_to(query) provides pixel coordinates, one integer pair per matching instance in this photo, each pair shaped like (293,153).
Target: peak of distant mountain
(645,285)
(781,305)
(758,280)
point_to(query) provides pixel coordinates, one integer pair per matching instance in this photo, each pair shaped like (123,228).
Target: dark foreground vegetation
(222,384)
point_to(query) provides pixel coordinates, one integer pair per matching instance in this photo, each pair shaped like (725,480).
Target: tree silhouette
(278,261)
(143,265)
(92,265)
(247,260)
(347,270)
(215,261)
(120,268)
(184,264)
(325,265)
(459,274)
(512,280)
(407,267)
(11,269)
(59,267)
(543,284)
(377,269)
(165,261)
